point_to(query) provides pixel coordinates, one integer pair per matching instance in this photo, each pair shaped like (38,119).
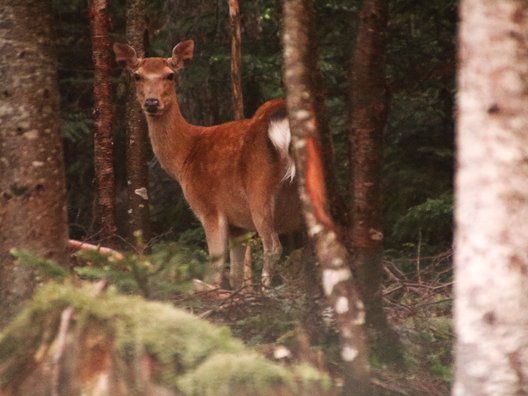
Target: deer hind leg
(215,228)
(270,241)
(272,253)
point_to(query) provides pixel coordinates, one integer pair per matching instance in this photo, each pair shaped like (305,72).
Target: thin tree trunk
(32,186)
(236,59)
(491,264)
(244,273)
(337,205)
(103,114)
(338,284)
(137,135)
(369,105)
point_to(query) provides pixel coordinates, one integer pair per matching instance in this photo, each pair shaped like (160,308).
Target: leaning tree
(334,261)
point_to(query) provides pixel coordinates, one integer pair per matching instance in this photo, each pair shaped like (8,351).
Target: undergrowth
(417,296)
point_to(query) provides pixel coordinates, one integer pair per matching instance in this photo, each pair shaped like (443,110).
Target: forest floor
(288,325)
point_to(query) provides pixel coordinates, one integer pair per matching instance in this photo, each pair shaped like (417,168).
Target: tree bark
(103,114)
(338,283)
(368,115)
(32,185)
(236,59)
(337,206)
(491,265)
(137,136)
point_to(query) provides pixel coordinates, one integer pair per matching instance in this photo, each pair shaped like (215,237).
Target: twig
(105,251)
(388,387)
(425,304)
(220,306)
(390,291)
(391,274)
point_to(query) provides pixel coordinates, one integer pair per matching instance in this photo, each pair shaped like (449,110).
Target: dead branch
(105,251)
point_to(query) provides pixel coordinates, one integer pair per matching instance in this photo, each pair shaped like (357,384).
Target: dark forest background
(418,140)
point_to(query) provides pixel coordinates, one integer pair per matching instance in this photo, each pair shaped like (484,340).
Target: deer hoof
(266,281)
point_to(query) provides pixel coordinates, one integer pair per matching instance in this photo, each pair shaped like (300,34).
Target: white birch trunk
(491,310)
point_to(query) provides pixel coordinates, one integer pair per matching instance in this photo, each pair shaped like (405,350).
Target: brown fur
(231,174)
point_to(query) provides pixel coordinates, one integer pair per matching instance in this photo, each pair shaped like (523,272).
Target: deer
(237,177)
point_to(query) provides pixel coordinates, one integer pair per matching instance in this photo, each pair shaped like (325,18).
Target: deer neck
(171,138)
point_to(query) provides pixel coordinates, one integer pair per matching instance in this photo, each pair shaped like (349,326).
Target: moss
(311,378)
(246,374)
(191,355)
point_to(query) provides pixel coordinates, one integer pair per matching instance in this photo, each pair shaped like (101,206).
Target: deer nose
(152,105)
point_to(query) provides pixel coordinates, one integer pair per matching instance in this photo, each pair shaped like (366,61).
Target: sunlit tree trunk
(103,115)
(236,59)
(32,186)
(368,115)
(337,281)
(137,135)
(491,261)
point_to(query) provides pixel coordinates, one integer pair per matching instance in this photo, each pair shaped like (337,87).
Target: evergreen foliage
(167,269)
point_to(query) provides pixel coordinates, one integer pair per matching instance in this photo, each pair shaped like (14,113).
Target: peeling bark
(337,279)
(137,148)
(32,185)
(103,115)
(369,105)
(491,264)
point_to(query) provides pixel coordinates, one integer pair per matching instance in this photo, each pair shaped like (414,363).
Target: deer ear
(181,52)
(126,56)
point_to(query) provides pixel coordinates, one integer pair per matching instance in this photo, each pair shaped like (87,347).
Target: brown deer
(236,177)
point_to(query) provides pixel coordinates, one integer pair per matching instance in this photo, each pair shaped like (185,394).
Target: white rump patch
(280,135)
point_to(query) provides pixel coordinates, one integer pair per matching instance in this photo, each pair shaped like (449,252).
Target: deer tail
(280,136)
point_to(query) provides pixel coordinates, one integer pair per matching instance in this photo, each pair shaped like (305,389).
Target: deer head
(154,77)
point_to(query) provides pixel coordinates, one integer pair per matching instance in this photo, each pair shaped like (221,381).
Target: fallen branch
(105,251)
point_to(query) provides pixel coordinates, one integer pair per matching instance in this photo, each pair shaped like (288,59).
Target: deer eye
(137,77)
(169,77)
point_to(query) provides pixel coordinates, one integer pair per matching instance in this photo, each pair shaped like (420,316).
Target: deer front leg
(215,228)
(237,253)
(240,258)
(262,210)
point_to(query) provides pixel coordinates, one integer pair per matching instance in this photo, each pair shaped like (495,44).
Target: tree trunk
(244,273)
(137,135)
(32,186)
(337,206)
(491,265)
(338,284)
(369,104)
(236,59)
(103,114)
